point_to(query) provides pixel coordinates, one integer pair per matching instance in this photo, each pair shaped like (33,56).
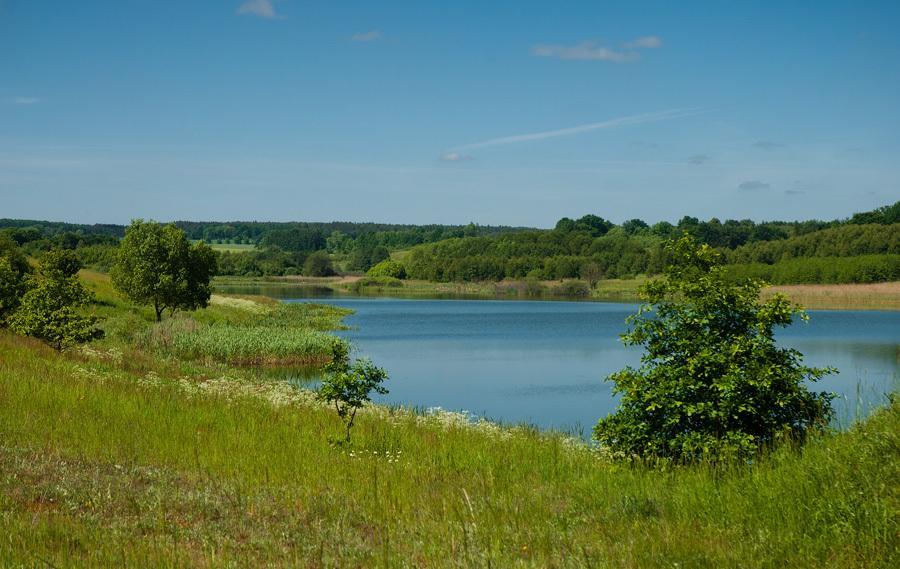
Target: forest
(864,247)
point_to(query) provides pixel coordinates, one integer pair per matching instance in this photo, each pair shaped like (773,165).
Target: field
(875,296)
(174,468)
(123,453)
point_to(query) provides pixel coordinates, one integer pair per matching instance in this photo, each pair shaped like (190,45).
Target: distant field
(231,247)
(875,296)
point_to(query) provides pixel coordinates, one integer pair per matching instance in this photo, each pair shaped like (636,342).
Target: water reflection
(543,362)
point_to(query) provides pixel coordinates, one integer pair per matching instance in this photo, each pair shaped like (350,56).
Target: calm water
(544,362)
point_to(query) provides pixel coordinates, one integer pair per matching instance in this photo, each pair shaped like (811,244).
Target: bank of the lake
(870,296)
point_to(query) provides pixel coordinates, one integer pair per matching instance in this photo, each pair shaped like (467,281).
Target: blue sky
(432,112)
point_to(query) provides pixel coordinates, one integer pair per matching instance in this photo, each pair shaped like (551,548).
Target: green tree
(388,268)
(713,384)
(158,266)
(348,386)
(318,264)
(49,308)
(14,270)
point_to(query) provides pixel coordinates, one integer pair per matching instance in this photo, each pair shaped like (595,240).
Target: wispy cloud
(646,42)
(767,145)
(794,192)
(611,123)
(373,35)
(593,51)
(698,159)
(454,157)
(260,8)
(753,185)
(23,101)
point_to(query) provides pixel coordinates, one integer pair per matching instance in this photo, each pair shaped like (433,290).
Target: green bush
(318,264)
(388,268)
(713,385)
(575,289)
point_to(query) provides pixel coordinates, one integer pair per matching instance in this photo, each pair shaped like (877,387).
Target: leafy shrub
(377,282)
(713,384)
(318,264)
(348,386)
(388,268)
(575,289)
(48,309)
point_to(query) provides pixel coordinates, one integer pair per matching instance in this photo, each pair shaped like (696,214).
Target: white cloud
(25,100)
(593,51)
(373,35)
(646,42)
(612,123)
(454,157)
(261,8)
(585,51)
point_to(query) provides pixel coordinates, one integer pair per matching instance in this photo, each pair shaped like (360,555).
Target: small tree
(388,268)
(348,386)
(591,272)
(14,270)
(318,264)
(48,310)
(158,266)
(713,383)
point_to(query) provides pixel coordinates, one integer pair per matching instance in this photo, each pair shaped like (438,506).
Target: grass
(105,462)
(244,331)
(118,454)
(876,296)
(231,247)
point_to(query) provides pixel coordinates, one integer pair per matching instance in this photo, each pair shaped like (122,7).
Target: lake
(543,362)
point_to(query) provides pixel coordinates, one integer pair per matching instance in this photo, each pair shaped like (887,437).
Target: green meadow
(129,452)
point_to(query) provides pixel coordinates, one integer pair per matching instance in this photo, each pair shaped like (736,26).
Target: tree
(388,268)
(318,264)
(158,266)
(712,384)
(14,270)
(49,308)
(348,386)
(591,272)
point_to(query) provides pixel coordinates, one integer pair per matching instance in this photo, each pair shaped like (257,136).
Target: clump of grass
(243,332)
(254,345)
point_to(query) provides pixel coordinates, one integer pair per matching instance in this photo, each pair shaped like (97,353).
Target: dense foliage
(388,268)
(14,269)
(49,308)
(587,248)
(712,384)
(158,266)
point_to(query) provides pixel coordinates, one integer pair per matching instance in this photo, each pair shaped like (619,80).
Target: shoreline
(869,296)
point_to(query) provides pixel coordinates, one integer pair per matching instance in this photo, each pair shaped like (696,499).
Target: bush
(713,384)
(388,268)
(577,289)
(318,264)
(48,310)
(348,386)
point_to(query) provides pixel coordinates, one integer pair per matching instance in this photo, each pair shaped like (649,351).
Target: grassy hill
(126,453)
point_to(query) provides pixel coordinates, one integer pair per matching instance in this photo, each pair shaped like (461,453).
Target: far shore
(873,296)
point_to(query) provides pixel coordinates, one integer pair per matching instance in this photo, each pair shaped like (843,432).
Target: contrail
(611,123)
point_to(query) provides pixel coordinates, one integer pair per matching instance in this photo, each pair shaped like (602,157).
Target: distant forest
(864,247)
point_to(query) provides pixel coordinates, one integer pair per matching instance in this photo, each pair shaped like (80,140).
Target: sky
(503,112)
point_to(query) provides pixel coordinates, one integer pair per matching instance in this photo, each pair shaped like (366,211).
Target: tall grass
(100,466)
